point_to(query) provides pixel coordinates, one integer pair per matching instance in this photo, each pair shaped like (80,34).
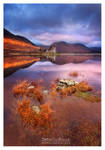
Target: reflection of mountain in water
(12,64)
(64,59)
(49,58)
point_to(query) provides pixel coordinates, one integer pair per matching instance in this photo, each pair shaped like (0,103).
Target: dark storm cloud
(58,20)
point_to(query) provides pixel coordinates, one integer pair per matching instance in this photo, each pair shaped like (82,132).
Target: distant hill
(96,49)
(16,43)
(44,46)
(64,47)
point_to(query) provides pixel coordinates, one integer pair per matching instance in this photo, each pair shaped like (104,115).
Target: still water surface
(72,115)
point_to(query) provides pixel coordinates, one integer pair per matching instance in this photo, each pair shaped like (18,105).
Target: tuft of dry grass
(45,116)
(31,119)
(67,91)
(20,88)
(74,74)
(37,94)
(57,80)
(26,113)
(33,83)
(88,96)
(83,87)
(53,91)
(31,89)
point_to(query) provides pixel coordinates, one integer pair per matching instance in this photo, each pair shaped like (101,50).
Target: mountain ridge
(13,43)
(66,47)
(19,43)
(8,34)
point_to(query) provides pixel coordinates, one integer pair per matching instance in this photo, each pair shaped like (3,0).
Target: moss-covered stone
(88,96)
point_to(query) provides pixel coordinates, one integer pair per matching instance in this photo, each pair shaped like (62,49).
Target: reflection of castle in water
(50,53)
(50,58)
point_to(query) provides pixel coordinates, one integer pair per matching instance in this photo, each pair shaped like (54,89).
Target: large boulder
(64,83)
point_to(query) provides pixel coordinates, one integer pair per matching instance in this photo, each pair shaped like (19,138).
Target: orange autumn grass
(88,97)
(22,89)
(53,90)
(67,91)
(31,119)
(82,87)
(74,74)
(14,42)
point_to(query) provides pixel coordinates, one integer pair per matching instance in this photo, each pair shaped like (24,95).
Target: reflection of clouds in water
(42,63)
(68,112)
(48,66)
(89,71)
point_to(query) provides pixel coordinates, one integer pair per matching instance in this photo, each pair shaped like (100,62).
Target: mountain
(16,43)
(44,46)
(96,49)
(64,47)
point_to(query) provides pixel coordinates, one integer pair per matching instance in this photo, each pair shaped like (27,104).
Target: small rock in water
(45,92)
(36,109)
(31,87)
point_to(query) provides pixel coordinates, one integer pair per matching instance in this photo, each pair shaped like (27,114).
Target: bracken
(23,89)
(20,88)
(33,120)
(74,74)
(88,96)
(83,87)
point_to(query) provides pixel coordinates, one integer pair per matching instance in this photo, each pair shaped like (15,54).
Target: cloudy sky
(48,23)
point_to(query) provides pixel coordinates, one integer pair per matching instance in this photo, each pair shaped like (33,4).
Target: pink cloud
(49,38)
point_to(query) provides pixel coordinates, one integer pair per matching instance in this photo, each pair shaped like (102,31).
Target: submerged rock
(36,109)
(64,83)
(45,92)
(31,87)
